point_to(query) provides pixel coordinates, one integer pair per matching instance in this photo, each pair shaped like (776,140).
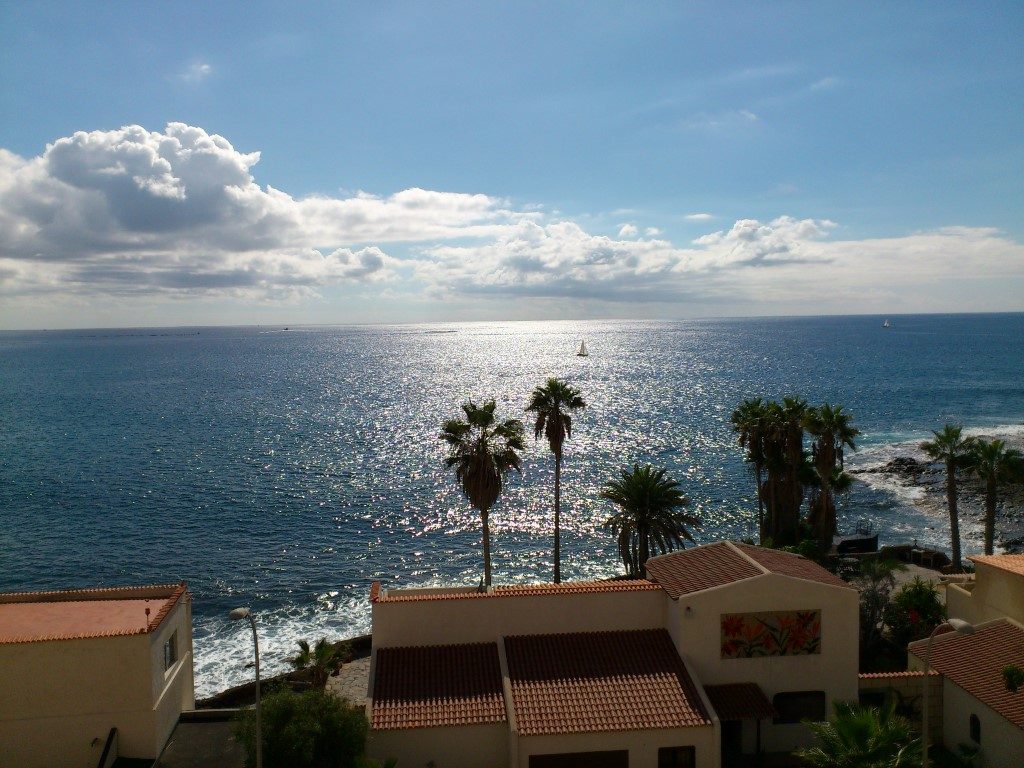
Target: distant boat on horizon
(887,324)
(583,350)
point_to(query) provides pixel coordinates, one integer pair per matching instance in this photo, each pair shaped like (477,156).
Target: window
(975,729)
(797,706)
(171,650)
(677,757)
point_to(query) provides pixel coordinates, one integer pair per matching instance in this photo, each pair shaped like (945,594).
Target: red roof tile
(692,570)
(600,681)
(1011,563)
(886,675)
(516,590)
(789,564)
(975,663)
(740,701)
(725,562)
(28,617)
(437,686)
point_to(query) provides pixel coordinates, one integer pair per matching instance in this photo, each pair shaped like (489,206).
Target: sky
(256,163)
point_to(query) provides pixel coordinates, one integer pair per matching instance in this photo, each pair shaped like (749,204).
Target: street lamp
(961,627)
(245,613)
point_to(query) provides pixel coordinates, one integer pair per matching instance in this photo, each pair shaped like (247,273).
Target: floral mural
(772,633)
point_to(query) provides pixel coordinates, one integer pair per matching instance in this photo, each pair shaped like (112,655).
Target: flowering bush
(913,612)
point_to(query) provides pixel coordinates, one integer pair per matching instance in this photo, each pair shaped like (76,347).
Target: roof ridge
(85,592)
(764,568)
(588,633)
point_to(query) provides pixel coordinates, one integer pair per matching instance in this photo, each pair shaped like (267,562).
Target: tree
(875,583)
(913,612)
(322,660)
(482,451)
(748,422)
(863,737)
(954,450)
(305,730)
(832,432)
(553,404)
(994,464)
(650,516)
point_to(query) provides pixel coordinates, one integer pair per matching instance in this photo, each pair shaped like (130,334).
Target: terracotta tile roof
(740,701)
(29,617)
(1011,563)
(975,663)
(691,570)
(600,681)
(514,590)
(789,564)
(887,675)
(725,562)
(437,685)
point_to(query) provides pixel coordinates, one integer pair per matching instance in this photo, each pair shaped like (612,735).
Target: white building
(722,650)
(91,671)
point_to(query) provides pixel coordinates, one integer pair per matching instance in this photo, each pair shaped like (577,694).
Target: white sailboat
(887,324)
(583,350)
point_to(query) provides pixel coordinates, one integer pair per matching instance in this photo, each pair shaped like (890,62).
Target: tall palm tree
(748,422)
(954,450)
(650,516)
(863,737)
(482,451)
(553,404)
(994,464)
(832,432)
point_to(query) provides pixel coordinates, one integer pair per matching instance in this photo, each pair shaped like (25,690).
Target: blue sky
(445,161)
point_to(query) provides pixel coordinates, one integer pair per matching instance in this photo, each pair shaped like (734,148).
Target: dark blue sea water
(287,469)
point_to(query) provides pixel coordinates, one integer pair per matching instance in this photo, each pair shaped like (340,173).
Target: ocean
(288,469)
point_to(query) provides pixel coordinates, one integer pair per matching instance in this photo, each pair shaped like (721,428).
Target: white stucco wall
(642,745)
(60,696)
(995,594)
(1002,743)
(466,746)
(488,619)
(834,670)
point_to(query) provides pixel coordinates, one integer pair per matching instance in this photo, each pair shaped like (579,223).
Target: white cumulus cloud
(628,230)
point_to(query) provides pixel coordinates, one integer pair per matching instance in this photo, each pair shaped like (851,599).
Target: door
(613,759)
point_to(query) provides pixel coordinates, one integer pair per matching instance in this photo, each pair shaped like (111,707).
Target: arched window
(975,729)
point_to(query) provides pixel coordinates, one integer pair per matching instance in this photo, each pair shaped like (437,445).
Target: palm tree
(555,424)
(650,516)
(875,583)
(954,450)
(748,422)
(482,451)
(322,660)
(993,463)
(832,433)
(863,737)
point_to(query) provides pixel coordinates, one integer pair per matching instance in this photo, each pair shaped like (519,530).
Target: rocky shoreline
(914,469)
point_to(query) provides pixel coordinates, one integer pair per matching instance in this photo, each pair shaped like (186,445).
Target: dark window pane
(677,757)
(797,706)
(975,729)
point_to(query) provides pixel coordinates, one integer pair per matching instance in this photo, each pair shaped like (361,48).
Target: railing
(107,747)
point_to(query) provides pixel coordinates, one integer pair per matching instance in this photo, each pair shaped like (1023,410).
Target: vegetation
(305,730)
(875,582)
(993,463)
(913,612)
(955,451)
(482,451)
(832,432)
(323,660)
(863,737)
(772,435)
(1013,678)
(650,516)
(553,404)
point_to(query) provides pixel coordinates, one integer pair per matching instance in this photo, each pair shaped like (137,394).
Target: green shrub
(913,612)
(305,730)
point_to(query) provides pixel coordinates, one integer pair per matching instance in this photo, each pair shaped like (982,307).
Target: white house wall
(464,746)
(642,745)
(1002,743)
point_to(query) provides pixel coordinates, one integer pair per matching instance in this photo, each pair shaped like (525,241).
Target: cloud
(825,84)
(652,232)
(628,230)
(179,210)
(196,72)
(729,120)
(698,217)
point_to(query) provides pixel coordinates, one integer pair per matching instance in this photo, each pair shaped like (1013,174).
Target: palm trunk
(487,547)
(644,551)
(558,509)
(954,517)
(826,519)
(990,514)
(759,470)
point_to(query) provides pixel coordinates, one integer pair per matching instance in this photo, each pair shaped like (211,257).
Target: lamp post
(961,627)
(245,613)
